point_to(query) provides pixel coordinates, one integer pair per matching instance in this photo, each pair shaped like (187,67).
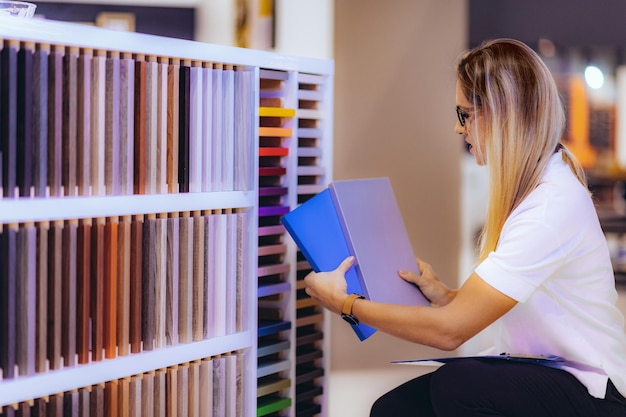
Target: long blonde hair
(522,122)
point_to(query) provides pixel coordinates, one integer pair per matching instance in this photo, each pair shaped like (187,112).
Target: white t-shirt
(553,259)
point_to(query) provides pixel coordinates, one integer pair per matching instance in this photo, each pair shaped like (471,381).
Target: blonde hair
(522,122)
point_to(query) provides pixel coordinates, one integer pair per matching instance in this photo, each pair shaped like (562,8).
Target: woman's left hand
(329,288)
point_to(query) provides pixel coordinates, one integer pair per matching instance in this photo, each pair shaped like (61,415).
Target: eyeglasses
(463,114)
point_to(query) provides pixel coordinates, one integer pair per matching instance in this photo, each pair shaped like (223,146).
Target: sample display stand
(143,268)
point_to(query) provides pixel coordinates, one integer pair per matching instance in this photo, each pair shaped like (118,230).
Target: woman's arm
(472,308)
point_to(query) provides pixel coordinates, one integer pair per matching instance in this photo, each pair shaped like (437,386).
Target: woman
(543,274)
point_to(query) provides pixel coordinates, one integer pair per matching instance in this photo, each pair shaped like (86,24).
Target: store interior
(393,116)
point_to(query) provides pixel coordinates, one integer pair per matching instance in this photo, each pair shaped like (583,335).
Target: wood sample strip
(55,120)
(161,127)
(139,162)
(112,148)
(69,290)
(96,403)
(97,288)
(148,282)
(97,121)
(8,295)
(26,298)
(25,118)
(207,128)
(160,281)
(123,287)
(40,119)
(41,342)
(219,386)
(83,289)
(184,126)
(206,384)
(70,121)
(232,304)
(173,89)
(172,392)
(172,280)
(127,123)
(183,390)
(208,299)
(196,115)
(110,290)
(194,389)
(55,290)
(71,404)
(8,116)
(135,397)
(160,393)
(136,236)
(217,124)
(185,286)
(152,75)
(111,399)
(124,396)
(147,394)
(199,251)
(228,126)
(83,129)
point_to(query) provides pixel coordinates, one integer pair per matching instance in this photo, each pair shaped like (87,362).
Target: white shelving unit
(161,368)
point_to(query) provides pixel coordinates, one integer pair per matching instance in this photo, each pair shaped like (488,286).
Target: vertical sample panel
(123,288)
(110,291)
(55,120)
(184,127)
(83,132)
(98,118)
(83,290)
(8,116)
(173,121)
(69,289)
(25,118)
(127,123)
(112,126)
(40,120)
(70,121)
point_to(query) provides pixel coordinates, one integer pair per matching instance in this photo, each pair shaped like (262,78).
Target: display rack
(142,183)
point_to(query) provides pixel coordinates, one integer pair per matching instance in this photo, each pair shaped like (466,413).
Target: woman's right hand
(430,285)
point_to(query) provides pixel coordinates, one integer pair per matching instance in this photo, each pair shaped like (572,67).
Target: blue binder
(316,229)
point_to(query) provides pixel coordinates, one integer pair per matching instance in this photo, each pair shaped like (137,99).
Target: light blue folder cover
(316,229)
(376,236)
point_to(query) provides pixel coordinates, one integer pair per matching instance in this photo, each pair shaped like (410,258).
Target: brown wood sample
(139,162)
(110,292)
(55,120)
(83,290)
(70,121)
(173,88)
(97,288)
(148,282)
(123,288)
(8,295)
(55,286)
(40,119)
(26,298)
(69,288)
(136,237)
(25,117)
(41,342)
(83,130)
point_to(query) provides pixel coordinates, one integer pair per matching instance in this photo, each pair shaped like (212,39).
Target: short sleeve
(529,251)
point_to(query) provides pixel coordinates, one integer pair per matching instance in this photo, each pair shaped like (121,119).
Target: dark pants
(482,387)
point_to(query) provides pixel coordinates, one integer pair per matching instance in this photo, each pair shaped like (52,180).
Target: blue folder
(316,229)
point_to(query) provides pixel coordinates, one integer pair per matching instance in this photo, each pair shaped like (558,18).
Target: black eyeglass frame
(462,114)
